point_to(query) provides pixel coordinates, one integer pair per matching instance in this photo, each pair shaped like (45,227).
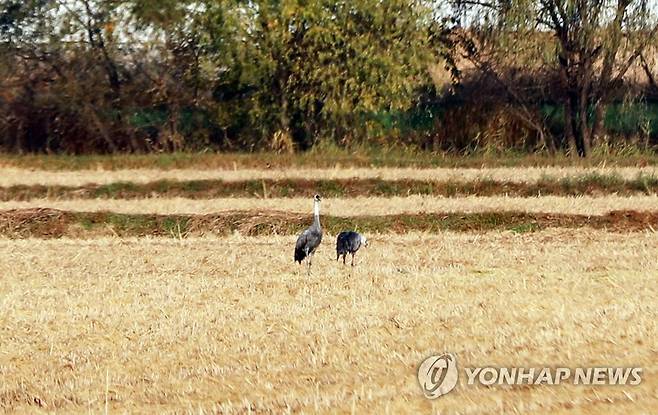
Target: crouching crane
(310,239)
(349,242)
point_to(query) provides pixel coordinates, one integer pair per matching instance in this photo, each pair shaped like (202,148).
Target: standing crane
(310,239)
(348,242)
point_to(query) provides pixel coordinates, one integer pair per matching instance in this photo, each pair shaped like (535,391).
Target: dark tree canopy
(81,76)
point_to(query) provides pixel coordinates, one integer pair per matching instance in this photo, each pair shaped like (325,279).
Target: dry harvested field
(166,304)
(230,325)
(359,206)
(581,205)
(17,176)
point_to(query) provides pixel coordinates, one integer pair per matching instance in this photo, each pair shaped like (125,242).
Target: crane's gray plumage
(310,239)
(349,242)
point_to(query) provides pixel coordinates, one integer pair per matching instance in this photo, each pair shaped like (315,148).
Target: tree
(173,61)
(306,69)
(592,46)
(68,62)
(82,72)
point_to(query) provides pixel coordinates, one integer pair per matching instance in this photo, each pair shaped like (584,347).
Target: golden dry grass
(232,325)
(583,205)
(14,176)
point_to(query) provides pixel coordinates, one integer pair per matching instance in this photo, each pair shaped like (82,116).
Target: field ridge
(337,157)
(588,184)
(53,223)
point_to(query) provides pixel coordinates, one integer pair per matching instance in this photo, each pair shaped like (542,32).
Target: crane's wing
(341,242)
(300,247)
(348,241)
(306,243)
(354,241)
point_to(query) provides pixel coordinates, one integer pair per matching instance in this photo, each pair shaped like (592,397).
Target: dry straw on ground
(232,325)
(13,176)
(583,205)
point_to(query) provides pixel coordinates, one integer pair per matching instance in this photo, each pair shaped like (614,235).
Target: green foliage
(93,76)
(313,68)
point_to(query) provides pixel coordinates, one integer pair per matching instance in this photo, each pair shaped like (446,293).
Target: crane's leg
(353,253)
(344,255)
(310,258)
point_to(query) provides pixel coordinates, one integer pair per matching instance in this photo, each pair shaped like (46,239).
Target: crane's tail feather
(299,255)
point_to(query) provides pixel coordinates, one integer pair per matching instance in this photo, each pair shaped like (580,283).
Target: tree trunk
(583,135)
(576,128)
(102,129)
(599,117)
(174,142)
(285,117)
(569,127)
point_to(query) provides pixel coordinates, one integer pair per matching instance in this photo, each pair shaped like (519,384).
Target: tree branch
(647,71)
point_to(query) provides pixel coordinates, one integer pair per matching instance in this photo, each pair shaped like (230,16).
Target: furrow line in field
(50,223)
(592,184)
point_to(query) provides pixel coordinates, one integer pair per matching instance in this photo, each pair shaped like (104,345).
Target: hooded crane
(349,242)
(310,239)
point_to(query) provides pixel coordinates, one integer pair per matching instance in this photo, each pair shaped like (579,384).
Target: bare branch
(647,71)
(636,54)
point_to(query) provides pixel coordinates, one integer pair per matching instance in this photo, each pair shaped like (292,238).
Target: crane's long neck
(316,214)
